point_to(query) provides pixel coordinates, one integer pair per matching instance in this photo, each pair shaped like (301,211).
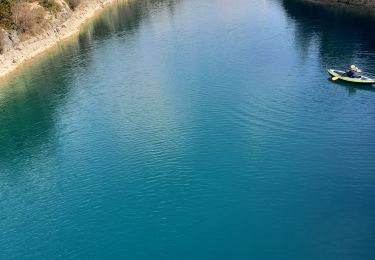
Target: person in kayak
(352,72)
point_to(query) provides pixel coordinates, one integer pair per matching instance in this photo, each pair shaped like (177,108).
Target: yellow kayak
(342,76)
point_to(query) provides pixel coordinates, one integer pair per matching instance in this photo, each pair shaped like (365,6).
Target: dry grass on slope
(28,18)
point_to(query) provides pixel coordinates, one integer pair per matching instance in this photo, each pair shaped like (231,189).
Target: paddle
(336,78)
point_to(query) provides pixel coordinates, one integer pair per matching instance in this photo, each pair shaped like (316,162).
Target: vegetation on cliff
(25,18)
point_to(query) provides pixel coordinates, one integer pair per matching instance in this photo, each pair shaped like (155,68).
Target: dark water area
(344,35)
(193,130)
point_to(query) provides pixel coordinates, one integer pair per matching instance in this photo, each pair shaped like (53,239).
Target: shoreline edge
(13,59)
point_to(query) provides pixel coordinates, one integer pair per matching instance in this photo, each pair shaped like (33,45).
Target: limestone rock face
(13,37)
(65,11)
(8,39)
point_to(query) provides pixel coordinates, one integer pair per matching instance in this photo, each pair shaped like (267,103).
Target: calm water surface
(193,129)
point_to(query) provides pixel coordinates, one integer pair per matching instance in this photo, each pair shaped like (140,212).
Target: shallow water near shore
(193,130)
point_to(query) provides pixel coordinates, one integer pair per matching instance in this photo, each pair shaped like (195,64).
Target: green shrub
(6,15)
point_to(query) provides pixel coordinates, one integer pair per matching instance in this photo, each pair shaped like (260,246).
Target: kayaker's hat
(353,67)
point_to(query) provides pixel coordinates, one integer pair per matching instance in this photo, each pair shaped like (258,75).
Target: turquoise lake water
(193,129)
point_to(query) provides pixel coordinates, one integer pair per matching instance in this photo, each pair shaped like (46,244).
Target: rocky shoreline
(17,52)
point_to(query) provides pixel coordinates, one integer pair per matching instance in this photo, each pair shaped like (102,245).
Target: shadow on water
(352,88)
(30,102)
(344,36)
(28,105)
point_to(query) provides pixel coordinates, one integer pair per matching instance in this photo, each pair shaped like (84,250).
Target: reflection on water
(351,88)
(125,18)
(192,129)
(28,105)
(344,36)
(342,39)
(30,101)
